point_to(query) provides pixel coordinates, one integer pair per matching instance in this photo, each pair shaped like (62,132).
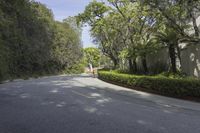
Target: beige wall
(191,60)
(159,61)
(190,63)
(156,63)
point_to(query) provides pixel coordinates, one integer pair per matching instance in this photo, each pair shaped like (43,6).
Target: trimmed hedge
(160,85)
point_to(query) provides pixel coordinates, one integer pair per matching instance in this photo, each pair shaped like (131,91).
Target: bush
(75,69)
(157,84)
(179,75)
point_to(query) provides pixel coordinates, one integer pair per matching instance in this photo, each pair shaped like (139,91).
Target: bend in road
(82,104)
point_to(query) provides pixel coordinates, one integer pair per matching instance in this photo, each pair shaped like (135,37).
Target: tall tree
(92,56)
(28,40)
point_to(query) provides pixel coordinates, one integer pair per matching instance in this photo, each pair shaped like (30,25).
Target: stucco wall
(159,61)
(190,63)
(156,63)
(191,60)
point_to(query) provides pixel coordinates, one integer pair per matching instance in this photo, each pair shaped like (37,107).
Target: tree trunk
(196,29)
(135,65)
(192,16)
(114,60)
(144,63)
(131,67)
(172,55)
(116,63)
(179,55)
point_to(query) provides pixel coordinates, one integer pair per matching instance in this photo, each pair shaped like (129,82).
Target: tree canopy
(130,29)
(92,56)
(31,41)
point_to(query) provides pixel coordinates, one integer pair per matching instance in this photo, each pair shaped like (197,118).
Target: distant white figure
(91,68)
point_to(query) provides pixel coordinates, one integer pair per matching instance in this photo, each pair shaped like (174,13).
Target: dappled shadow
(79,98)
(73,88)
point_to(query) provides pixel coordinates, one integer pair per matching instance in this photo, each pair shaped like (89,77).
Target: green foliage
(66,50)
(175,14)
(94,10)
(128,29)
(33,43)
(178,75)
(92,55)
(75,69)
(103,32)
(157,84)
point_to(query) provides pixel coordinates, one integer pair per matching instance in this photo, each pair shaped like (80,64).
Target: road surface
(82,104)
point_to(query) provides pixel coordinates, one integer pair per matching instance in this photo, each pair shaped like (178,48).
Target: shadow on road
(89,103)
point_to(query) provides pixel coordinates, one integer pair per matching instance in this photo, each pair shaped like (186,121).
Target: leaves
(92,55)
(31,41)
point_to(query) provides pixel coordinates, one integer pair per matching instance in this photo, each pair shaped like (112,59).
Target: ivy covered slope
(33,43)
(175,87)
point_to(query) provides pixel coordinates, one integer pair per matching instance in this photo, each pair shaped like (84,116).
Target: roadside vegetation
(32,43)
(128,31)
(92,56)
(188,88)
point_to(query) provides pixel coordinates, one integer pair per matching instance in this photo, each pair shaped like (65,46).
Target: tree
(169,38)
(128,29)
(32,42)
(101,32)
(139,24)
(108,37)
(177,14)
(66,50)
(92,56)
(178,18)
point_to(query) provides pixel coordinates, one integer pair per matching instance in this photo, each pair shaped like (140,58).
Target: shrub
(75,69)
(157,84)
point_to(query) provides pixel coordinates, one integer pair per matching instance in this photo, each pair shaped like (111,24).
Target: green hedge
(160,85)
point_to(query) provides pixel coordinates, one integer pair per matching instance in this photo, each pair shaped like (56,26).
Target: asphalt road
(82,104)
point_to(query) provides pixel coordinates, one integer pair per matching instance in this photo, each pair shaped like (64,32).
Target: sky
(65,8)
